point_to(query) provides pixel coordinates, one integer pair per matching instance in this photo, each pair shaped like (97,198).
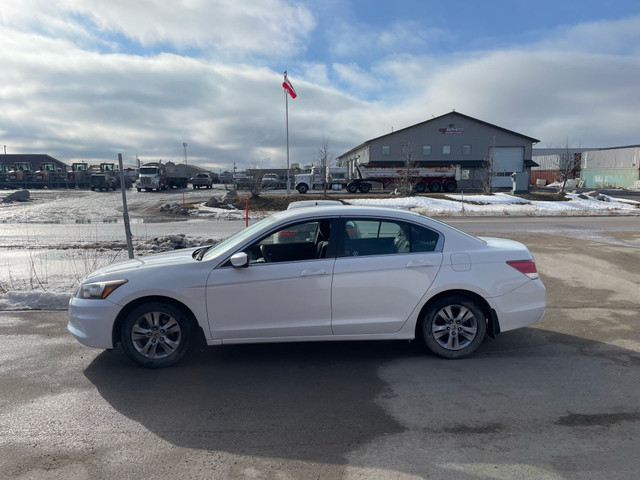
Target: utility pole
(184,144)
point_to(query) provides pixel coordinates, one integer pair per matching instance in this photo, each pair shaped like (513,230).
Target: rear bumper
(521,307)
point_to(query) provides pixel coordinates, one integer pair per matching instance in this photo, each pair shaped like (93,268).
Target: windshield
(149,170)
(237,239)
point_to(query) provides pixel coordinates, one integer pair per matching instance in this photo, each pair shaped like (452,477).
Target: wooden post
(125,212)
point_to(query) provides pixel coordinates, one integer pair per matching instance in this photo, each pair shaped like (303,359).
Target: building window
(426,150)
(466,149)
(386,150)
(446,149)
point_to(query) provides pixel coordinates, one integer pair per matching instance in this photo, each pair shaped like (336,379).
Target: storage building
(450,139)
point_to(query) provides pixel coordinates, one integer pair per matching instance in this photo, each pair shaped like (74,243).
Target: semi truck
(435,178)
(161,176)
(336,179)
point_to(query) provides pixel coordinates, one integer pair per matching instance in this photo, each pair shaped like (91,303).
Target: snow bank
(502,204)
(35,300)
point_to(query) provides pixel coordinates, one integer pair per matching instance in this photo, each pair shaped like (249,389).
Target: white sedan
(312,274)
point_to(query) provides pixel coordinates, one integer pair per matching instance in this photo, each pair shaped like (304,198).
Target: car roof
(342,210)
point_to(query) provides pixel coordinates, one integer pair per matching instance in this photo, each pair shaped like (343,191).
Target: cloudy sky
(87,79)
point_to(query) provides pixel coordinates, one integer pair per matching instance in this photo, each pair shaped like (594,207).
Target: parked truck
(160,176)
(434,178)
(335,179)
(202,180)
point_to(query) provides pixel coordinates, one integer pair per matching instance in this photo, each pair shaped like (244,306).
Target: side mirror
(240,260)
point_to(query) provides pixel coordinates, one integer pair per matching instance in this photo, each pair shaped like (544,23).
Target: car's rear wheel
(155,335)
(454,327)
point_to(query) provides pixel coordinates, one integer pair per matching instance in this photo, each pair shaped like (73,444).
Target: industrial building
(611,167)
(450,139)
(616,167)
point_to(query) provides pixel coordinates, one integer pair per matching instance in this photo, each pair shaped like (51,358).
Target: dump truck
(160,176)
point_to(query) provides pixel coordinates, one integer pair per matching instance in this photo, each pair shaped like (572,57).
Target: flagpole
(286,107)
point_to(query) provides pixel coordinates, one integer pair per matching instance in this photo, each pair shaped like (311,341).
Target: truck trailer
(435,178)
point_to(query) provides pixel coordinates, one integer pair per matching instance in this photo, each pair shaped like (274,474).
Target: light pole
(184,144)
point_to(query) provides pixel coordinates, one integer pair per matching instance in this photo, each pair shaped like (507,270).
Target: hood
(150,261)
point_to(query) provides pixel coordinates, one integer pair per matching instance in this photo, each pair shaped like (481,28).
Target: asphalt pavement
(557,400)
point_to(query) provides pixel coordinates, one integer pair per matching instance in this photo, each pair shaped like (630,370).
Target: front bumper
(91,321)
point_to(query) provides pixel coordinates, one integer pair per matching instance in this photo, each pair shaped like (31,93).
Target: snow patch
(35,300)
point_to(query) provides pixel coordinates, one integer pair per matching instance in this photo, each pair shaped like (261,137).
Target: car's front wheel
(155,335)
(454,327)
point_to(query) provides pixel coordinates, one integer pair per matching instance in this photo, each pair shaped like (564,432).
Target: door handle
(420,263)
(310,272)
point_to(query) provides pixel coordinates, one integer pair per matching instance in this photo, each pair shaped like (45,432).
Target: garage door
(507,160)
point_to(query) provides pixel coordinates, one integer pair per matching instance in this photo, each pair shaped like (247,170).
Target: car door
(284,292)
(384,267)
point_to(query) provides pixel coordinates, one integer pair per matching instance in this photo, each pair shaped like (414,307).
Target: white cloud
(229,29)
(348,40)
(62,96)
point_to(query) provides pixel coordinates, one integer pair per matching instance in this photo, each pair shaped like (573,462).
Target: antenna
(184,144)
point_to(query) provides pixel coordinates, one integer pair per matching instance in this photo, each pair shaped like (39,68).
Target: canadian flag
(288,87)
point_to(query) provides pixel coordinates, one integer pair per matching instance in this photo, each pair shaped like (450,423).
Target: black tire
(352,188)
(435,187)
(454,327)
(421,187)
(302,188)
(365,187)
(451,187)
(139,189)
(155,335)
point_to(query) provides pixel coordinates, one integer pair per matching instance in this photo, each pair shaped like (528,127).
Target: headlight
(98,290)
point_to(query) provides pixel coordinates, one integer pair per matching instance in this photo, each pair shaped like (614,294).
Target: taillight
(526,267)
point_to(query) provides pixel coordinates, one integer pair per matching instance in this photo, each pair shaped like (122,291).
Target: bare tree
(568,164)
(324,161)
(408,157)
(254,184)
(489,170)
